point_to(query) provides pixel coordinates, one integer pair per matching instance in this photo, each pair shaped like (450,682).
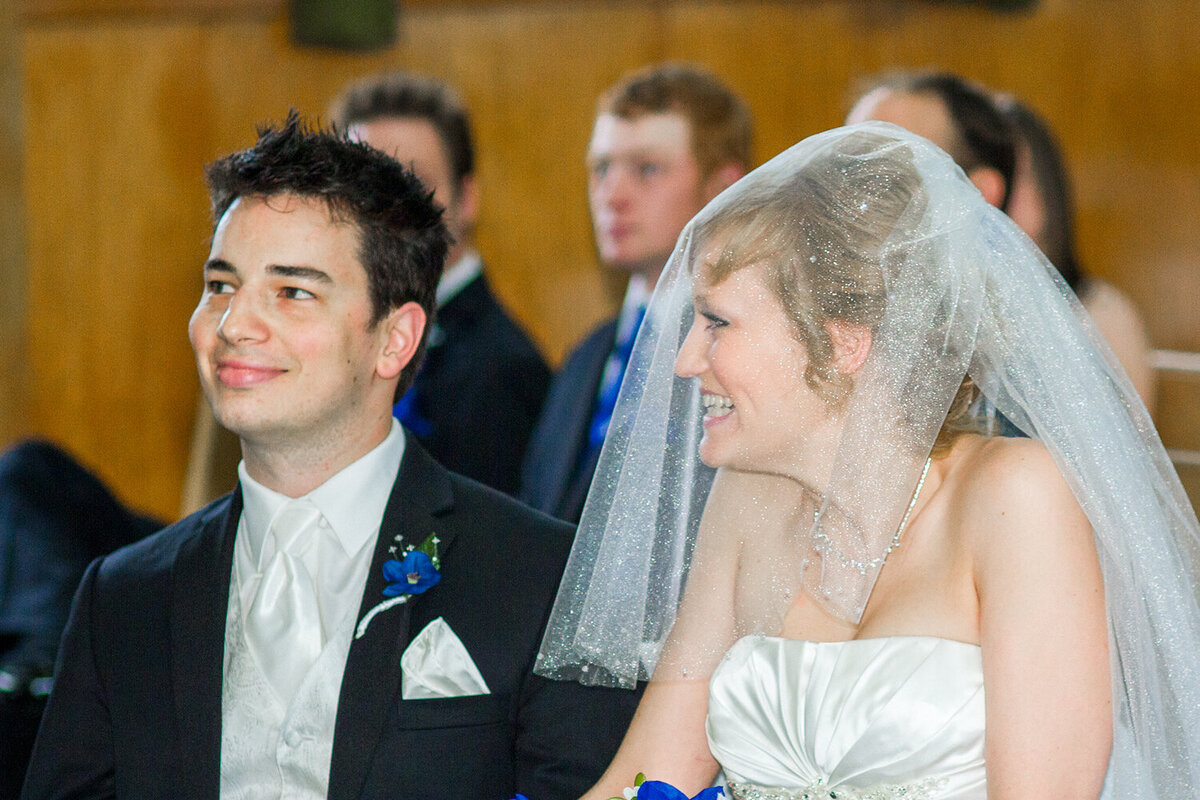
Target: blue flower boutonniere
(657,790)
(416,571)
(643,789)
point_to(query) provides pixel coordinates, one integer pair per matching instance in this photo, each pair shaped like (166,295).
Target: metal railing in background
(1178,413)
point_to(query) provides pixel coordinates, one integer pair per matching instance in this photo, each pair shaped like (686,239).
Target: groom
(260,647)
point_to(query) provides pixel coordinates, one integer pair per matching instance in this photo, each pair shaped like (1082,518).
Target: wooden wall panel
(122,111)
(74,10)
(13,375)
(116,119)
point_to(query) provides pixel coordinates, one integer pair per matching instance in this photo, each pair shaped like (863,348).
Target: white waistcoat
(269,750)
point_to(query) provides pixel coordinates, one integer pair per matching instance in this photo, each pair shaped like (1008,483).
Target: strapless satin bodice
(899,717)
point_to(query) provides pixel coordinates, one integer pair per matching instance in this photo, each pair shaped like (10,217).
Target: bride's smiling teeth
(716,405)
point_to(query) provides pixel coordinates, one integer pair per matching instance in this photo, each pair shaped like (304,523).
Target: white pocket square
(437,664)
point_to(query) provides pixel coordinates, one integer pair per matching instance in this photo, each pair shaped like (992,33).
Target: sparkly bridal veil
(873,226)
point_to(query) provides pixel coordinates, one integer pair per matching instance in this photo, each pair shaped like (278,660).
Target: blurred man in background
(666,140)
(478,394)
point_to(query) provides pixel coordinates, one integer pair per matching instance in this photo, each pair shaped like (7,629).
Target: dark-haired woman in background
(1040,202)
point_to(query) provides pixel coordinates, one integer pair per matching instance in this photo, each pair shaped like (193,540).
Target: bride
(836,585)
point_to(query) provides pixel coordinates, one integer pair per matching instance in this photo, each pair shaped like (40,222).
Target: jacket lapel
(199,601)
(371,681)
(573,427)
(467,305)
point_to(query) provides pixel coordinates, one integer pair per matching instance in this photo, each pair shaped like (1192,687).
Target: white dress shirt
(272,747)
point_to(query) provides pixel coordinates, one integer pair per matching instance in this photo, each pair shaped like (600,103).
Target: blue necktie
(610,384)
(409,415)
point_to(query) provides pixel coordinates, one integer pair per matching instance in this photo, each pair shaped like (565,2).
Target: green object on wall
(344,24)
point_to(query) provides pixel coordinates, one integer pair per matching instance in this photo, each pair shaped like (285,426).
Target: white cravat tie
(283,626)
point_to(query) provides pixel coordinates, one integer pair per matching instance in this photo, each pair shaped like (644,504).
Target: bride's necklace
(826,546)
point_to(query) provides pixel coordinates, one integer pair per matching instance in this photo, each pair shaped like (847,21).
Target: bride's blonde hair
(821,240)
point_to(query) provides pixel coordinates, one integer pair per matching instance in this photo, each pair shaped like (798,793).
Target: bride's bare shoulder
(997,471)
(1011,494)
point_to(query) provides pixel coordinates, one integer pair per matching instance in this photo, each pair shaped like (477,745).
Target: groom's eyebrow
(305,273)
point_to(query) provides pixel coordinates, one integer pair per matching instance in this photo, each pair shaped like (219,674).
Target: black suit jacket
(556,475)
(55,518)
(480,389)
(136,707)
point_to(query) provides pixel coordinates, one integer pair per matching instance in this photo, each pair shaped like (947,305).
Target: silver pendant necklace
(825,546)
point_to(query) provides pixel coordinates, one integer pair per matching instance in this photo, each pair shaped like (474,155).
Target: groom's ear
(851,345)
(400,335)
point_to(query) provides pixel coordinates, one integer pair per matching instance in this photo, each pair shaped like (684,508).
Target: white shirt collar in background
(458,275)
(637,296)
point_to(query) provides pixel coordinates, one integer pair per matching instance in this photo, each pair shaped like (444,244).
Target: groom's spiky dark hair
(402,240)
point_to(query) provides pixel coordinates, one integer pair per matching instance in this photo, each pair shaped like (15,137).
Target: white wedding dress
(870,719)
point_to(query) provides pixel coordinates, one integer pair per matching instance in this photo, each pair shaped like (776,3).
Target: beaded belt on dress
(818,790)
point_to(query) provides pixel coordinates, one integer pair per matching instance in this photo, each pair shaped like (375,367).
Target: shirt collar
(458,275)
(637,296)
(352,501)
